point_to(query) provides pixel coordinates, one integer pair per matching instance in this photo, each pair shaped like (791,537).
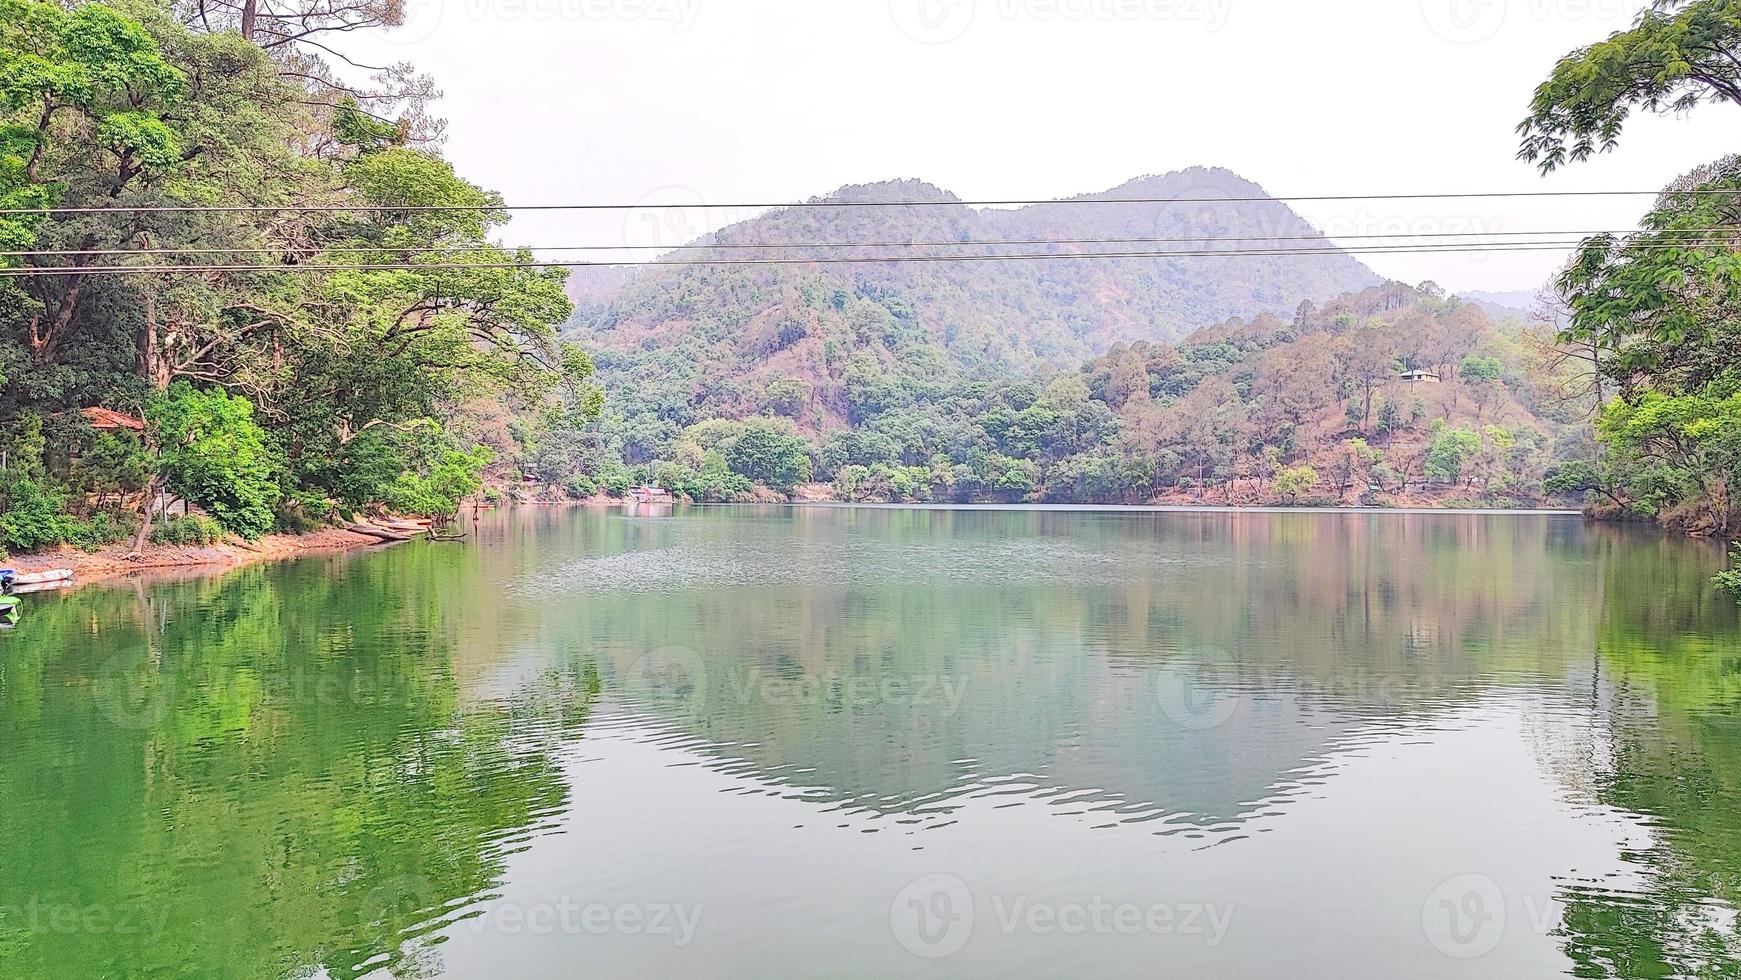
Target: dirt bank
(93,566)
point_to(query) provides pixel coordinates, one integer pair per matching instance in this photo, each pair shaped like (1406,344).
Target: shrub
(31,514)
(194,529)
(98,530)
(1291,483)
(579,486)
(302,511)
(1730,581)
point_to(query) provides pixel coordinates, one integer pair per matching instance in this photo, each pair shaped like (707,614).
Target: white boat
(40,587)
(42,578)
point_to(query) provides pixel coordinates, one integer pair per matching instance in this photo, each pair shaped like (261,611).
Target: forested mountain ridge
(1391,395)
(714,336)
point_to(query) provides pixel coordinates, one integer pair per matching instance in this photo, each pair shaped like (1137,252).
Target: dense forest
(1386,396)
(336,303)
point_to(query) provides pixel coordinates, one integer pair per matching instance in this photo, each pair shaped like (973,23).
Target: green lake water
(747,742)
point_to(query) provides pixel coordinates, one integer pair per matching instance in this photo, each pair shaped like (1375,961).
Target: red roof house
(105,420)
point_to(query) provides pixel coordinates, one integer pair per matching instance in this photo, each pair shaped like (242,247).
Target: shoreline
(114,562)
(1189,509)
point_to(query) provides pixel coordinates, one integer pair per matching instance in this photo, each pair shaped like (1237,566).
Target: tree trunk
(153,363)
(45,344)
(146,515)
(250,8)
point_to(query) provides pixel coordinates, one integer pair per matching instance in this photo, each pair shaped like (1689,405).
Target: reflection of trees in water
(259,774)
(1311,626)
(1671,659)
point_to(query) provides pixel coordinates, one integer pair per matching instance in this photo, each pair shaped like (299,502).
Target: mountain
(1523,306)
(699,342)
(695,341)
(1391,395)
(1018,314)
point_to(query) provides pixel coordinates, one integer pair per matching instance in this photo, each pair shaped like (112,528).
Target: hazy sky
(724,101)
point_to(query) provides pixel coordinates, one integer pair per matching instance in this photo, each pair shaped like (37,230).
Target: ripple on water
(713,562)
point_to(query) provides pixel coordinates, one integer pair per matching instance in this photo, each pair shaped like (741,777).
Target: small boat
(39,587)
(10,577)
(8,611)
(650,495)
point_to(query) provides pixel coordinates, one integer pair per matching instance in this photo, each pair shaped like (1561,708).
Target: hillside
(1391,395)
(696,342)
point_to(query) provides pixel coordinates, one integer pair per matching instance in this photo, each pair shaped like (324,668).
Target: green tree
(1678,54)
(770,454)
(1450,452)
(1696,439)
(1292,483)
(214,455)
(788,396)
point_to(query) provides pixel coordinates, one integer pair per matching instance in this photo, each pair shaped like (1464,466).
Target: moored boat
(39,587)
(10,577)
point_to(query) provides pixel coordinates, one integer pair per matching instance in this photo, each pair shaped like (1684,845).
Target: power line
(697,246)
(783,205)
(1470,248)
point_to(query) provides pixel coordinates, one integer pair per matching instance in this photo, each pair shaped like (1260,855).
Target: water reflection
(257,775)
(360,760)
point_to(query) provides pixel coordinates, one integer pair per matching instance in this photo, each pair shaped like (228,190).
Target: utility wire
(698,246)
(370,208)
(1471,248)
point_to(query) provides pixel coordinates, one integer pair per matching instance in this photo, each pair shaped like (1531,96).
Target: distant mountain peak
(907,189)
(1190,183)
(1052,304)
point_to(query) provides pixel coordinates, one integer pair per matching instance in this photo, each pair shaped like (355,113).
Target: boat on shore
(11,579)
(650,495)
(39,587)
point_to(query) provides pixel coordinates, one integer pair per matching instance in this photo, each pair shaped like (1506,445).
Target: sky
(677,102)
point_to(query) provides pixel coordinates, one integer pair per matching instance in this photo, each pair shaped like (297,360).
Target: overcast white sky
(677,101)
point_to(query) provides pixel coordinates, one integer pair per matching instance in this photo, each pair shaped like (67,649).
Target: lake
(876,742)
